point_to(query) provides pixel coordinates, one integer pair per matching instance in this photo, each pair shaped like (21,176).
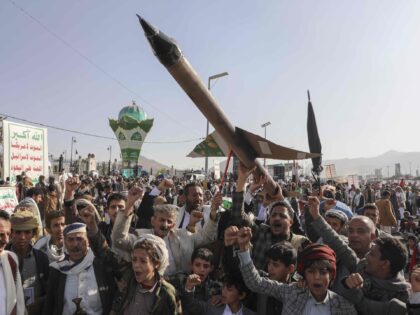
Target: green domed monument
(131,129)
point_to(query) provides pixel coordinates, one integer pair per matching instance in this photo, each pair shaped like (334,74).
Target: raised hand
(216,202)
(195,217)
(270,199)
(134,194)
(243,174)
(329,204)
(165,184)
(192,281)
(258,181)
(354,280)
(231,235)
(244,238)
(313,203)
(71,184)
(216,299)
(89,215)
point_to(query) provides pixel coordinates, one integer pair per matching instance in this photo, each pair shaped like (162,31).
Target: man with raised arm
(180,242)
(374,284)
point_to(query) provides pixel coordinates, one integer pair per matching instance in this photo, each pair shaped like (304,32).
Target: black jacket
(57,283)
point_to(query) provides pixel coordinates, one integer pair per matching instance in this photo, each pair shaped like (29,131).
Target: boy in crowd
(208,289)
(317,266)
(281,266)
(234,293)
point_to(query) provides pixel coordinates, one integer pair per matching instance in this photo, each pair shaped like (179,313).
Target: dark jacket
(57,283)
(42,265)
(165,295)
(42,273)
(145,212)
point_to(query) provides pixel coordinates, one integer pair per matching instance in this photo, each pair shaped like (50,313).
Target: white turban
(160,246)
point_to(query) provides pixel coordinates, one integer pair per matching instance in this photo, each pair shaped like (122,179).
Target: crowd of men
(111,245)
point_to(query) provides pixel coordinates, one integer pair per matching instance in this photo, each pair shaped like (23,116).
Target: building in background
(131,129)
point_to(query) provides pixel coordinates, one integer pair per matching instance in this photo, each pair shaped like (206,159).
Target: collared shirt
(143,301)
(82,285)
(313,307)
(2,292)
(228,311)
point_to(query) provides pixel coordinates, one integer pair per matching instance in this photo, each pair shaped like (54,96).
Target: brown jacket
(52,202)
(386,215)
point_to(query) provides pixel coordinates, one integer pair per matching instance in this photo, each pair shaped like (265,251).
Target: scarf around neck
(69,267)
(53,253)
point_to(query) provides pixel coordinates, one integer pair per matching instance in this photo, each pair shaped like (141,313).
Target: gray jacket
(377,296)
(294,299)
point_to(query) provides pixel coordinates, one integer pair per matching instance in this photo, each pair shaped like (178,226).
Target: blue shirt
(340,206)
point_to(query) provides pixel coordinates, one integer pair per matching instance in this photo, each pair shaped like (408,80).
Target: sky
(74,64)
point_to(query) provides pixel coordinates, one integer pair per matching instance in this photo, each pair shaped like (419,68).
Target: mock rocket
(246,146)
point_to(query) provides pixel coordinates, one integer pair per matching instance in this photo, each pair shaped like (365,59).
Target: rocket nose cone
(148,28)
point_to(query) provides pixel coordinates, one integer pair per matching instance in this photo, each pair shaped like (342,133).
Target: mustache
(164,229)
(74,249)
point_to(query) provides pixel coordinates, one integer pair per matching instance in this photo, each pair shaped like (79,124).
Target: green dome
(133,111)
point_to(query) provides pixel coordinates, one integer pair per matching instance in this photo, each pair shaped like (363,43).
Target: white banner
(353,180)
(330,171)
(25,150)
(8,200)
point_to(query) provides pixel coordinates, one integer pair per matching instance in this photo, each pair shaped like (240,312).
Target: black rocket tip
(309,96)
(148,28)
(164,47)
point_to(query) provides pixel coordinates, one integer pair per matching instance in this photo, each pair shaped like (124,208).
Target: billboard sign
(25,149)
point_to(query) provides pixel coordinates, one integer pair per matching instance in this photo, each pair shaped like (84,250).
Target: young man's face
(278,271)
(280,221)
(374,261)
(56,229)
(318,279)
(372,214)
(335,223)
(5,230)
(22,239)
(162,224)
(143,267)
(231,295)
(202,268)
(114,207)
(37,198)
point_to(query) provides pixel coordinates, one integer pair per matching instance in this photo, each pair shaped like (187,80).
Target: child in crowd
(142,289)
(149,261)
(208,289)
(317,266)
(281,266)
(413,304)
(234,292)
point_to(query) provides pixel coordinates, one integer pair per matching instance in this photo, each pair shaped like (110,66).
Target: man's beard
(190,206)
